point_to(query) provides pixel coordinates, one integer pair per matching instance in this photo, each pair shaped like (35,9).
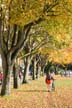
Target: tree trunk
(15,77)
(34,69)
(7,71)
(56,69)
(26,70)
(42,70)
(39,70)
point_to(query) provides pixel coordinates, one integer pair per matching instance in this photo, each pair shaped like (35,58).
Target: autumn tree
(29,53)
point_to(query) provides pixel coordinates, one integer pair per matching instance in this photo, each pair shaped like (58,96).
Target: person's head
(49,72)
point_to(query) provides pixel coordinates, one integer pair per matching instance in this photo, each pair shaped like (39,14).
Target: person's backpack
(48,77)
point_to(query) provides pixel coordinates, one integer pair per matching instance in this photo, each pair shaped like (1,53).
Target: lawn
(36,95)
(63,81)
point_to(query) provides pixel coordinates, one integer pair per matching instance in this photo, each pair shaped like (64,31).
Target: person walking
(48,81)
(53,81)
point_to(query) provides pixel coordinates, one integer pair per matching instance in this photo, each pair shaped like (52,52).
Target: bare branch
(14,36)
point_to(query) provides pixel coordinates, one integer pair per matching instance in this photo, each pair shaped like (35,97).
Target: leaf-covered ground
(36,95)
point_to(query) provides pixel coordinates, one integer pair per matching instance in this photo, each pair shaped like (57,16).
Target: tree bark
(26,70)
(43,70)
(34,69)
(7,71)
(15,77)
(39,70)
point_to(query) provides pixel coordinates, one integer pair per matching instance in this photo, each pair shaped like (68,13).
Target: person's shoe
(48,90)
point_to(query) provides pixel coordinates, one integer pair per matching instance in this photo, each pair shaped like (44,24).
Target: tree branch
(21,42)
(14,36)
(35,49)
(2,42)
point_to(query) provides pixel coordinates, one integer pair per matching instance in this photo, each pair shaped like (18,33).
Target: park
(35,53)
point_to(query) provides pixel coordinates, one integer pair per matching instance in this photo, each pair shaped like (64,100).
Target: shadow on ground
(32,91)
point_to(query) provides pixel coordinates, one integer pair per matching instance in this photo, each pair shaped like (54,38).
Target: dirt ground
(36,95)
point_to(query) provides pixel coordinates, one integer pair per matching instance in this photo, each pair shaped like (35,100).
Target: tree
(30,50)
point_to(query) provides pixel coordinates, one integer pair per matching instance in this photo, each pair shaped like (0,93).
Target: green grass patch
(60,83)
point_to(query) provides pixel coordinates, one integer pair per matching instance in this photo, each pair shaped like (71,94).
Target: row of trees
(17,20)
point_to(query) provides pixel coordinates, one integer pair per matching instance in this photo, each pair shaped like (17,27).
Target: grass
(60,83)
